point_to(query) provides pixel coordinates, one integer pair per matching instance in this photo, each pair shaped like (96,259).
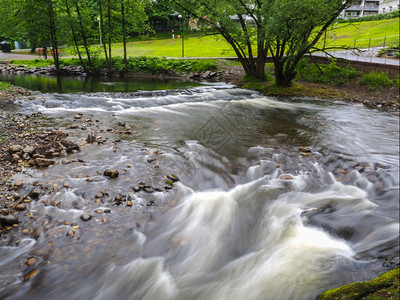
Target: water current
(277,198)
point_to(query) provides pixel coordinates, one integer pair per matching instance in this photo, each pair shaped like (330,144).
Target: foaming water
(251,242)
(275,199)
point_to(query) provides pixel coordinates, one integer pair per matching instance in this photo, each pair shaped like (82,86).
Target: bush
(376,80)
(4,86)
(325,73)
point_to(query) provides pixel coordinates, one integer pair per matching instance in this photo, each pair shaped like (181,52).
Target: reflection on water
(78,84)
(276,199)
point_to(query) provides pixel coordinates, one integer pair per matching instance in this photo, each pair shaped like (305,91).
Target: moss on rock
(386,286)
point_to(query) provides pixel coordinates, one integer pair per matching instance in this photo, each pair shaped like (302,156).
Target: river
(276,198)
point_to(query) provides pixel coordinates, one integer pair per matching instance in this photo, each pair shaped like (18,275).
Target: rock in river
(86,217)
(8,220)
(43,162)
(111,173)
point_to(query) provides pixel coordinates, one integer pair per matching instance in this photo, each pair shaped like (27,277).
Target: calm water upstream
(252,217)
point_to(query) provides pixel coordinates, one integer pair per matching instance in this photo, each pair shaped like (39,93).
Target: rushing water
(234,227)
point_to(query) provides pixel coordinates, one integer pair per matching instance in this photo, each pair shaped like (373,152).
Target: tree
(286,29)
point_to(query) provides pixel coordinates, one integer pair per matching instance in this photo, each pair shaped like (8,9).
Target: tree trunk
(53,33)
(283,78)
(123,31)
(83,33)
(74,36)
(109,37)
(102,33)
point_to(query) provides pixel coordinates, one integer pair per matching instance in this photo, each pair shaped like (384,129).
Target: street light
(183,35)
(98,19)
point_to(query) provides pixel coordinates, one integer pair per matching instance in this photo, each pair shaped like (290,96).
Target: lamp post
(183,35)
(98,19)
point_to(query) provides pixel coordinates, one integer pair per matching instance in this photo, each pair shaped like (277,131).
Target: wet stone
(20,207)
(31,261)
(173,177)
(43,162)
(8,220)
(28,149)
(15,148)
(111,173)
(34,194)
(86,217)
(286,177)
(71,233)
(305,149)
(31,274)
(56,203)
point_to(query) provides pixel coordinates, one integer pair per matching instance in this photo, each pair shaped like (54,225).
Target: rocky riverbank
(24,145)
(72,70)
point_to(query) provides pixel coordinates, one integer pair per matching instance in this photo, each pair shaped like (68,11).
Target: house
(362,8)
(388,6)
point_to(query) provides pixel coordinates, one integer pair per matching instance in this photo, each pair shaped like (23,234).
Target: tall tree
(286,29)
(83,32)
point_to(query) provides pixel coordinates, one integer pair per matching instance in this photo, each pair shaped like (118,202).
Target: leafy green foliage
(325,73)
(4,86)
(376,80)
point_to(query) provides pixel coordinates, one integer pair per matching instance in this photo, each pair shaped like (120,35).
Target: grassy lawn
(344,34)
(371,33)
(195,45)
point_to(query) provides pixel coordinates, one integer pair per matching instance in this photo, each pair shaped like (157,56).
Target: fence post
(384,42)
(369,43)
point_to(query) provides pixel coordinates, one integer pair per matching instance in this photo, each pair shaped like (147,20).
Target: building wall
(388,6)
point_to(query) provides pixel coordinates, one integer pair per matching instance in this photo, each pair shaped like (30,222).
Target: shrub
(376,80)
(4,86)
(325,73)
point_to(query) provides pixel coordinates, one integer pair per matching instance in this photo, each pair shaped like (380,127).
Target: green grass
(34,63)
(5,86)
(199,45)
(345,34)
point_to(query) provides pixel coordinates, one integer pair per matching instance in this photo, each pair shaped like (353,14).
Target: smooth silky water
(232,228)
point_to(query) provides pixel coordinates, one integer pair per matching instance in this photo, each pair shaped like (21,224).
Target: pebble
(173,177)
(86,217)
(112,173)
(43,162)
(15,148)
(31,261)
(286,177)
(8,220)
(20,207)
(31,274)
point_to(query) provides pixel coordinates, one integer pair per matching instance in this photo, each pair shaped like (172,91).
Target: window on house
(390,8)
